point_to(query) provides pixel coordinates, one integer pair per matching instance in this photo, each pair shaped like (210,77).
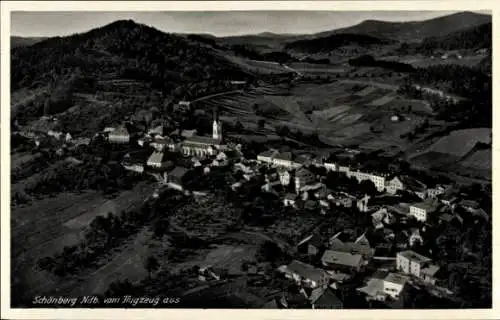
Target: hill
(16,41)
(332,42)
(414,31)
(99,77)
(477,37)
(122,48)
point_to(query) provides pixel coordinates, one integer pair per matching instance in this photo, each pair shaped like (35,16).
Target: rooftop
(342,258)
(178,172)
(426,205)
(373,287)
(305,270)
(284,156)
(411,255)
(197,140)
(157,157)
(396,278)
(268,153)
(328,299)
(430,270)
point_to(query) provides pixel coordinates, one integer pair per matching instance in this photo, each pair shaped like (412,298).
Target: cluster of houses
(345,263)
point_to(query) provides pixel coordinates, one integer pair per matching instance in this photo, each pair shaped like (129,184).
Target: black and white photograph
(251,159)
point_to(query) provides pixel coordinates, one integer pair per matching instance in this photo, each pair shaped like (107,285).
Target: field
(39,230)
(342,111)
(460,142)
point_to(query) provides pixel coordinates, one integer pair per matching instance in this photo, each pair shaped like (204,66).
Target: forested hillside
(121,49)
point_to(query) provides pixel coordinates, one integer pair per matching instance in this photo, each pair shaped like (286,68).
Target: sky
(218,23)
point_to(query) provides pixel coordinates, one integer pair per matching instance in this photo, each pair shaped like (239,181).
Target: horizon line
(484,12)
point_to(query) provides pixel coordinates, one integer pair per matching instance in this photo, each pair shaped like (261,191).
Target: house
(422,210)
(68,137)
(284,159)
(381,287)
(303,177)
(163,143)
(325,298)
(413,185)
(410,262)
(429,272)
(284,177)
(436,191)
(175,177)
(415,237)
(290,200)
(157,131)
(360,246)
(394,185)
(55,134)
(158,160)
(119,135)
(341,200)
(305,274)
(379,215)
(342,261)
(330,166)
(267,156)
(362,204)
(378,181)
(311,245)
(448,199)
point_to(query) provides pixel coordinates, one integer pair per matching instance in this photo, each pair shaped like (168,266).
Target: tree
(367,187)
(238,127)
(151,265)
(261,123)
(283,131)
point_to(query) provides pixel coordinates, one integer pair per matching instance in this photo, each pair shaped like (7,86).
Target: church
(201,146)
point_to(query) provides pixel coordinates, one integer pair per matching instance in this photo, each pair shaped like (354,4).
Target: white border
(8,6)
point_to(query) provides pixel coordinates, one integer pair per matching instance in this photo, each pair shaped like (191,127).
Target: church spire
(216,127)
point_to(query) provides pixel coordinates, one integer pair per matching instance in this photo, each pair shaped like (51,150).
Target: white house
(415,237)
(378,181)
(394,185)
(394,284)
(411,262)
(436,191)
(303,177)
(284,177)
(305,274)
(362,204)
(284,159)
(330,166)
(266,156)
(119,135)
(421,210)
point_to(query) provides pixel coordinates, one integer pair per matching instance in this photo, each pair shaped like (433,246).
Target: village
(379,264)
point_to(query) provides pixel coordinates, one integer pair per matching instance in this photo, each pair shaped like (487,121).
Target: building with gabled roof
(325,298)
(119,135)
(305,274)
(157,160)
(341,260)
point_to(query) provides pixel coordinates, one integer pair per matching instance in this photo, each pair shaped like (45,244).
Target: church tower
(216,128)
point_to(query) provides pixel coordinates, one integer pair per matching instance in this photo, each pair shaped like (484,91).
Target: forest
(325,44)
(121,48)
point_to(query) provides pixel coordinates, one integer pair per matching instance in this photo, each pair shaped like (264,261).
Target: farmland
(46,226)
(460,142)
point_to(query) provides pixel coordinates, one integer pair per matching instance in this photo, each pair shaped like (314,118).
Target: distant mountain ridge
(16,41)
(410,31)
